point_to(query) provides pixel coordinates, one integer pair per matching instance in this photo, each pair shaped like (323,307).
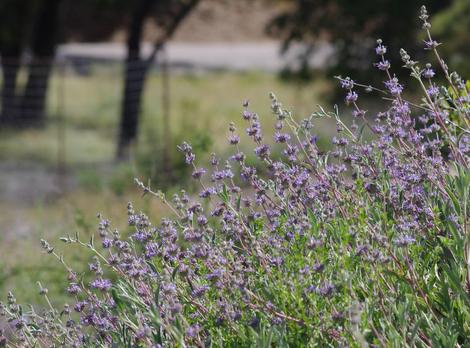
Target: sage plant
(365,244)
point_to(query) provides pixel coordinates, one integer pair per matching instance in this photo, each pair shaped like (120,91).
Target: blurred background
(97,92)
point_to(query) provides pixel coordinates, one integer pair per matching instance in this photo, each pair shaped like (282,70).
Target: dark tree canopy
(38,25)
(351,25)
(454,23)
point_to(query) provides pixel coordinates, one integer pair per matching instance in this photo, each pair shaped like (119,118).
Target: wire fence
(28,92)
(69,95)
(79,104)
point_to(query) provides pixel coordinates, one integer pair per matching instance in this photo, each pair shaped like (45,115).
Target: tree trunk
(43,49)
(34,98)
(14,24)
(136,69)
(135,73)
(10,67)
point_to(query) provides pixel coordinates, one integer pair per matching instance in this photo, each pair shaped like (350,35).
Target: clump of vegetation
(364,245)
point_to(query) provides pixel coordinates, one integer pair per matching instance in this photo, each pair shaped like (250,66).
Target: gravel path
(263,56)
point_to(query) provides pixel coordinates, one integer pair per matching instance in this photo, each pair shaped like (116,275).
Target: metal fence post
(61,127)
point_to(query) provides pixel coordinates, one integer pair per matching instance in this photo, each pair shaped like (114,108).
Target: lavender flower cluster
(363,245)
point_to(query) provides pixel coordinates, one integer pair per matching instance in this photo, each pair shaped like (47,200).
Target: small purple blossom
(198,173)
(405,240)
(193,330)
(430,44)
(189,158)
(383,65)
(205,193)
(281,137)
(380,49)
(351,97)
(80,306)
(394,87)
(74,289)
(262,151)
(428,73)
(222,174)
(151,249)
(433,91)
(187,150)
(234,139)
(101,284)
(106,243)
(347,83)
(238,157)
(247,115)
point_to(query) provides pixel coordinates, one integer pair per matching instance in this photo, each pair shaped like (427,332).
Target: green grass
(202,105)
(23,262)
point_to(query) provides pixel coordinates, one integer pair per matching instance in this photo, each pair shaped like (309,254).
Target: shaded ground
(23,183)
(25,186)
